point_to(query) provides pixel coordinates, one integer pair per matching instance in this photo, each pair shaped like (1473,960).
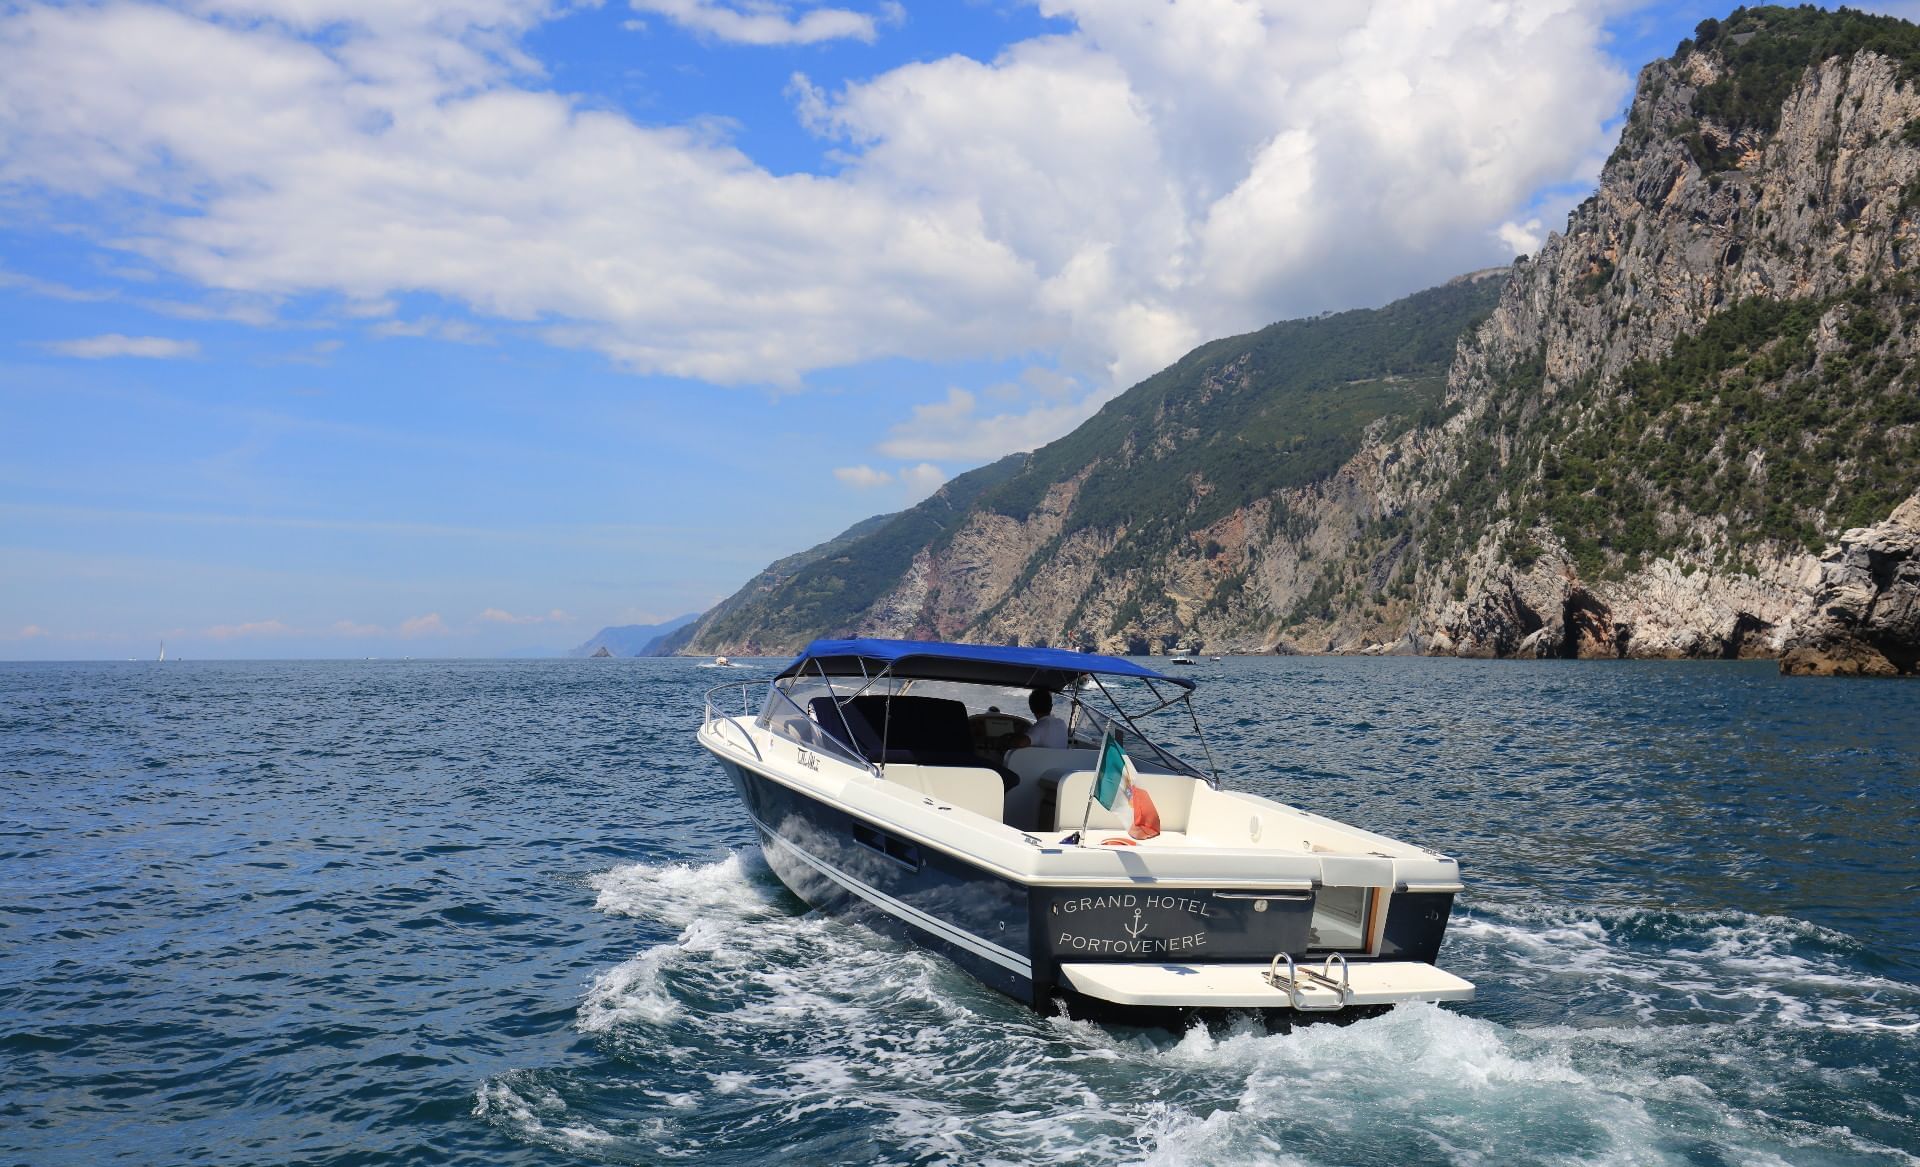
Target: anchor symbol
(1138,926)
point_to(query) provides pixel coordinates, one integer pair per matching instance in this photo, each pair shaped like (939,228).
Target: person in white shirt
(1047,731)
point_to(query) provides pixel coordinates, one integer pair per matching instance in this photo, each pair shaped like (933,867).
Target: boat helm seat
(1035,765)
(918,731)
(924,725)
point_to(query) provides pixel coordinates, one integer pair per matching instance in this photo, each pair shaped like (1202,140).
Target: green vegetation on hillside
(1768,49)
(1233,421)
(1244,417)
(773,576)
(1744,421)
(838,585)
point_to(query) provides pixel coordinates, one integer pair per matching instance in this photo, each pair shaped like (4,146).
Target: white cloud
(458,331)
(955,430)
(862,477)
(1162,172)
(351,628)
(759,22)
(916,481)
(427,625)
(115,345)
(30,632)
(501,616)
(50,288)
(239,311)
(1522,238)
(923,479)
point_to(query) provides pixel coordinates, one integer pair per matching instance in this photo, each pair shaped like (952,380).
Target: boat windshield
(881,718)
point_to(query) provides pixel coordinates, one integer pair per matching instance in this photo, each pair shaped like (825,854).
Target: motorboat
(892,781)
(721,662)
(1182,660)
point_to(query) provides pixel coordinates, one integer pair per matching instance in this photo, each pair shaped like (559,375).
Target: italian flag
(1114,786)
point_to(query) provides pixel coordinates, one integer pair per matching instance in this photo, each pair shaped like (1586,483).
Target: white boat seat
(1172,797)
(973,788)
(1033,762)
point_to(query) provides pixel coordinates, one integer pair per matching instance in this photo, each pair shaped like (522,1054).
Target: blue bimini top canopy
(986,664)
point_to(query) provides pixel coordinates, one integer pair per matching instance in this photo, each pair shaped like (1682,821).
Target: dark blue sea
(506,912)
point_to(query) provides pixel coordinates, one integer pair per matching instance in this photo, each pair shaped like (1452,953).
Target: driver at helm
(1047,731)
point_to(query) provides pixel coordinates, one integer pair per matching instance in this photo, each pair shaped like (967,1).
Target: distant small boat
(720,662)
(1214,659)
(163,650)
(1182,660)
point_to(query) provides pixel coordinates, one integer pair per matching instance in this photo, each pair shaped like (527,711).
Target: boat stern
(1330,986)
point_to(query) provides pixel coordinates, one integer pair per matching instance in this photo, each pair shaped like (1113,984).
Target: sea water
(508,912)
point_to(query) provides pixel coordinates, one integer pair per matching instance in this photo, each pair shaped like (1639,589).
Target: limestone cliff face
(1196,507)
(1638,447)
(1860,615)
(1809,212)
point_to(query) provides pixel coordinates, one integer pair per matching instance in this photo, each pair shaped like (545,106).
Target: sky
(349,328)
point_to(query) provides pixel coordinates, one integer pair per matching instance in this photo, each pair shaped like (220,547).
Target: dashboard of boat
(994,732)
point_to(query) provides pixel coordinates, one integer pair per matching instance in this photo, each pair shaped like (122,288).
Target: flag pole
(1100,769)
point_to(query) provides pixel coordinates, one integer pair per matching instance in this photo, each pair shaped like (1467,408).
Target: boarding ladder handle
(1291,986)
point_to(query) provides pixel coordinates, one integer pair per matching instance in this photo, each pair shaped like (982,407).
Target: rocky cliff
(1643,449)
(1704,378)
(1140,525)
(744,623)
(1860,614)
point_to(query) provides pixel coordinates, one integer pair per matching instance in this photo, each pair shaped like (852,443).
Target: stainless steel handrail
(1291,985)
(825,743)
(746,710)
(1131,734)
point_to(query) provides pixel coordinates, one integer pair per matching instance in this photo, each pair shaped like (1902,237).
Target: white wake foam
(539,1116)
(1676,1034)
(1664,967)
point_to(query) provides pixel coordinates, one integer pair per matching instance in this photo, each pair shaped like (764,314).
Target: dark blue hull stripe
(960,938)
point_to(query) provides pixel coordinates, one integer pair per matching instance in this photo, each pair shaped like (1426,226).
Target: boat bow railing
(777,713)
(719,703)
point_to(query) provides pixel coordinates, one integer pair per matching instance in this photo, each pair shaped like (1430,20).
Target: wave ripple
(504,912)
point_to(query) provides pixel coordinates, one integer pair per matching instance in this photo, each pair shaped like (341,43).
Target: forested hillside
(1656,442)
(1232,422)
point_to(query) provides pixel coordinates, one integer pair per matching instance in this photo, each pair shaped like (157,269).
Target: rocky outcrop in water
(1861,614)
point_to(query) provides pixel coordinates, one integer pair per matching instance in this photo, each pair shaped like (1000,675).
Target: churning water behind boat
(500,912)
